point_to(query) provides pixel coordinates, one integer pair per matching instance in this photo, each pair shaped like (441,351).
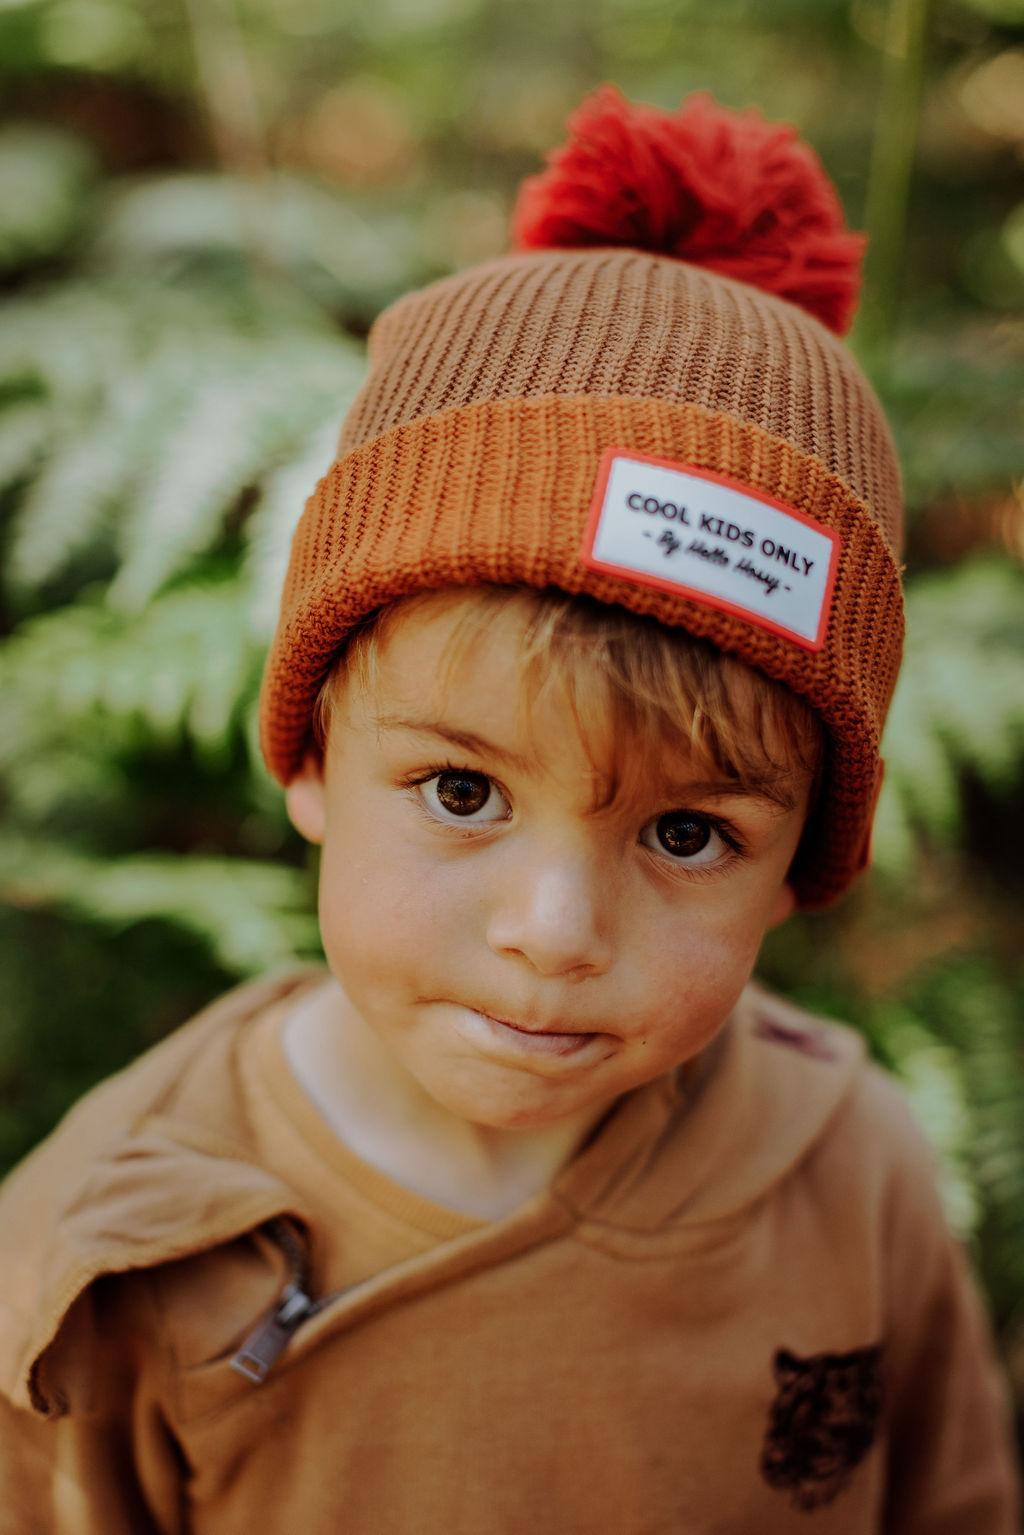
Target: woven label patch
(691,531)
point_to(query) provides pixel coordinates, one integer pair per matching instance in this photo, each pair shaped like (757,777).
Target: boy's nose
(555,913)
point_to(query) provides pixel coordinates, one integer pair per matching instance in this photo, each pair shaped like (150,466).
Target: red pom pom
(721,189)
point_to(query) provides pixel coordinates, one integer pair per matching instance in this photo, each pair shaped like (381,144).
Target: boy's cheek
(688,986)
(362,905)
(379,912)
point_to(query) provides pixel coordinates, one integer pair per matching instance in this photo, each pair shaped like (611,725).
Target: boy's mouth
(528,1039)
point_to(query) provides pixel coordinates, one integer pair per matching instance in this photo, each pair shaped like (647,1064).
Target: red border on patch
(641,578)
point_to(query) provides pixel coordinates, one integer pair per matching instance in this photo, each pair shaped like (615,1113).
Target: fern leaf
(254,915)
(46,177)
(954,399)
(25,429)
(70,507)
(67,340)
(269,530)
(959,704)
(265,402)
(166,404)
(344,258)
(931,1071)
(184,667)
(978,1011)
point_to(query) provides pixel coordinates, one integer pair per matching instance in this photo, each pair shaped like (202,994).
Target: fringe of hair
(635,689)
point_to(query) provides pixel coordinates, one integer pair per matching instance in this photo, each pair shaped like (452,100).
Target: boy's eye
(686,836)
(460,792)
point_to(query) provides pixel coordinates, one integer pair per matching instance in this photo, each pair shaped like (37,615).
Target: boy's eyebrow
(775,791)
(465,738)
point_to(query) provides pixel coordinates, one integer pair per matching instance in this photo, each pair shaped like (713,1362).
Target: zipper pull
(269,1338)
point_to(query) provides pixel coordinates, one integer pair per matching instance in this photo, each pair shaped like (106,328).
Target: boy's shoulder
(797,1047)
(153,1163)
(785,1096)
(817,1073)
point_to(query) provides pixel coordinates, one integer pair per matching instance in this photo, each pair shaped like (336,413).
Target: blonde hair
(635,689)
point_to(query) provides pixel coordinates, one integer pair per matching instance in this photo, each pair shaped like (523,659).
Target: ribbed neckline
(339,1161)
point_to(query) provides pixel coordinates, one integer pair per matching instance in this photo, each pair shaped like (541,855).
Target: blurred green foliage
(203,204)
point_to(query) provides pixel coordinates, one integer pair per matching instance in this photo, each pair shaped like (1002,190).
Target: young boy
(530,1213)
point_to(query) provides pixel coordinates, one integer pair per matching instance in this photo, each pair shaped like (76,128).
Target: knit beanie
(646,401)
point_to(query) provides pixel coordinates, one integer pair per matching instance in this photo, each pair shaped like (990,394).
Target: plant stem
(889,179)
(229,95)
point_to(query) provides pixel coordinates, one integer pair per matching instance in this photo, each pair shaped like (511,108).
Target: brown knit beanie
(643,425)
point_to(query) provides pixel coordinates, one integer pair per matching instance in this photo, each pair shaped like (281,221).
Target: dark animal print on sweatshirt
(822,1423)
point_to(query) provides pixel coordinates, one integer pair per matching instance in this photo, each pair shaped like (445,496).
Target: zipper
(268,1340)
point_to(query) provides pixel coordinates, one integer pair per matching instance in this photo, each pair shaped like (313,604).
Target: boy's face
(526,960)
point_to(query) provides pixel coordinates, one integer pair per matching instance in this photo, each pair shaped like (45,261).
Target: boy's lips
(524,1026)
(489,1029)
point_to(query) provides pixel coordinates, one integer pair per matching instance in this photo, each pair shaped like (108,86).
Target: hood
(132,1177)
(135,1176)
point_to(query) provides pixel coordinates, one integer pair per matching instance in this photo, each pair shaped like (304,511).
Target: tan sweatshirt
(737,1311)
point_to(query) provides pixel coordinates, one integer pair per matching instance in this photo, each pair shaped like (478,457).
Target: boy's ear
(783,906)
(305,800)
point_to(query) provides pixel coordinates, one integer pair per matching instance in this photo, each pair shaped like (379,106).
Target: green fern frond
(164,407)
(71,506)
(183,668)
(932,1073)
(254,915)
(46,179)
(268,531)
(76,786)
(347,259)
(954,401)
(67,341)
(25,428)
(959,704)
(110,387)
(974,691)
(976,1009)
(260,408)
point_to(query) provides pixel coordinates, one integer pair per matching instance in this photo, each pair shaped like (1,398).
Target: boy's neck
(385,1117)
